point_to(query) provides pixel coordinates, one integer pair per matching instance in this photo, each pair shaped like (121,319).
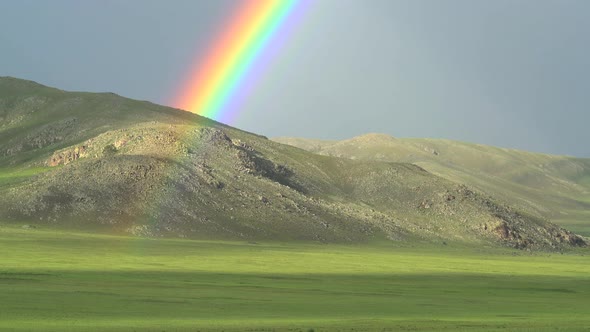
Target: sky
(509,73)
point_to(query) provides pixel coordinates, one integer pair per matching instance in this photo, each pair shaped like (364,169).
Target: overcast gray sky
(511,73)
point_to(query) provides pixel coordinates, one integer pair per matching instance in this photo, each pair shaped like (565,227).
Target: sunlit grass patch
(14,175)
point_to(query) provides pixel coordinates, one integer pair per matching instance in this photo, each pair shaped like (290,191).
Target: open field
(57,281)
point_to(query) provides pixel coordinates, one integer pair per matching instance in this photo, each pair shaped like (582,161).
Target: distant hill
(101,162)
(554,187)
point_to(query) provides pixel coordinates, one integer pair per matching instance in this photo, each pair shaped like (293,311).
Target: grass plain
(52,280)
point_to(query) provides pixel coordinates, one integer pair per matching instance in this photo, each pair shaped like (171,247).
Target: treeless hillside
(555,187)
(101,162)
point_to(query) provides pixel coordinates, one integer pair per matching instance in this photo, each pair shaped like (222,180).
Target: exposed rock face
(213,135)
(67,156)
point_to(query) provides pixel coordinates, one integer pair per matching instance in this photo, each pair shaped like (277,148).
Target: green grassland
(53,280)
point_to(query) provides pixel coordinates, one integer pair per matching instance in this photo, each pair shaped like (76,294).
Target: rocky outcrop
(67,156)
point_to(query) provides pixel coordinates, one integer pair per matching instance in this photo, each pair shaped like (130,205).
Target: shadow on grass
(249,299)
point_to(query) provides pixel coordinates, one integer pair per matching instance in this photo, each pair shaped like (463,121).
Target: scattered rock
(431,150)
(213,135)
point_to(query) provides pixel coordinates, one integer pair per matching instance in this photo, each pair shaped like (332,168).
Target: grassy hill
(101,162)
(554,187)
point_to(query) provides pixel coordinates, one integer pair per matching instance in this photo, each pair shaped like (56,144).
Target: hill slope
(556,187)
(107,163)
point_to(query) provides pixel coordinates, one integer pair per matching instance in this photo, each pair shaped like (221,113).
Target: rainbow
(224,76)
